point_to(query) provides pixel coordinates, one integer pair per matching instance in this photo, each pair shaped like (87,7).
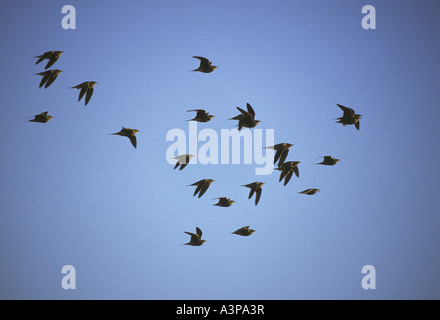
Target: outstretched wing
(194,237)
(296,170)
(288,177)
(199,187)
(251,192)
(250,110)
(45,78)
(82,93)
(348,112)
(283,156)
(89,95)
(277,157)
(52,60)
(204,189)
(204,62)
(133,141)
(258,195)
(51,79)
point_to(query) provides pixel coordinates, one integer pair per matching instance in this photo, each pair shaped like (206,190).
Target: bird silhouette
(42,118)
(87,89)
(196,238)
(223,202)
(183,160)
(287,170)
(329,161)
(129,133)
(201,116)
(202,186)
(245,231)
(246,118)
(49,77)
(282,150)
(205,65)
(349,117)
(52,56)
(310,191)
(256,187)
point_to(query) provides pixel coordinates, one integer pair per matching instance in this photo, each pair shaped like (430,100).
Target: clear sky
(71,194)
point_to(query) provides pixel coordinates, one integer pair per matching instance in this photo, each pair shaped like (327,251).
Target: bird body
(129,133)
(202,186)
(183,160)
(52,56)
(49,77)
(196,238)
(42,118)
(246,118)
(201,116)
(256,187)
(245,231)
(310,191)
(205,65)
(282,150)
(87,89)
(287,170)
(224,202)
(329,161)
(349,117)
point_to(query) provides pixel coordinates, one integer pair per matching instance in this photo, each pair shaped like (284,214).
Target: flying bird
(282,150)
(42,118)
(205,65)
(329,161)
(129,133)
(256,187)
(52,56)
(87,89)
(202,186)
(310,191)
(246,118)
(196,238)
(245,231)
(224,202)
(201,116)
(349,117)
(49,77)
(287,170)
(183,160)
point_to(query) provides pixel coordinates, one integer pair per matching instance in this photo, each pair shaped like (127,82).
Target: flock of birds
(86,88)
(246,119)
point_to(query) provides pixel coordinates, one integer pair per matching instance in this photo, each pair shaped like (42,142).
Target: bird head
(214,67)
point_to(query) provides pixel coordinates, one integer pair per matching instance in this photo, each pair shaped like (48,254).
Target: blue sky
(71,194)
